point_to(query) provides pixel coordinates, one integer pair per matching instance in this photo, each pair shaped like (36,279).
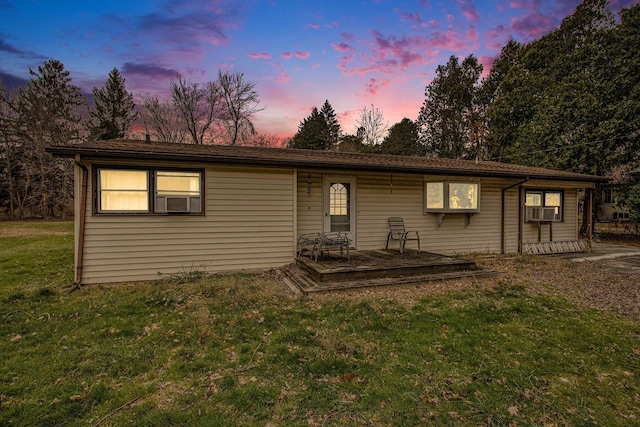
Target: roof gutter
(83,215)
(503,213)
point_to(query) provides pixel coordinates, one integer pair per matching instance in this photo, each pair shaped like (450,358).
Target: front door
(340,205)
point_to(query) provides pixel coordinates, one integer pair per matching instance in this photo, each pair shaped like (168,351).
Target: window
(448,197)
(543,205)
(123,190)
(177,191)
(129,191)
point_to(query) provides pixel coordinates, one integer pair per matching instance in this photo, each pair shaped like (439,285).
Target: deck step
(308,286)
(544,248)
(377,268)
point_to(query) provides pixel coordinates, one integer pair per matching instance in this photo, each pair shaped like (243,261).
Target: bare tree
(162,119)
(370,125)
(198,107)
(240,104)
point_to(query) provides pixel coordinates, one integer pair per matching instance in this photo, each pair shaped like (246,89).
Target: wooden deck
(377,268)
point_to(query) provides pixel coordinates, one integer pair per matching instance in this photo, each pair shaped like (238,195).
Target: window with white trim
(543,205)
(451,197)
(130,191)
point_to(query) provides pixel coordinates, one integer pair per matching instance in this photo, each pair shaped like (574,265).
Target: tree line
(569,100)
(50,110)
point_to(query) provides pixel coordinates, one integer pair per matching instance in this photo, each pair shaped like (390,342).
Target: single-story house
(148,208)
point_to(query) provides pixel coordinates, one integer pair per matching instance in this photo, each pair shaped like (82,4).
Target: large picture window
(448,197)
(129,191)
(543,205)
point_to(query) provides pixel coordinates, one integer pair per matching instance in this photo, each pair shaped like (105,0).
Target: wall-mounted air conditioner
(178,204)
(541,214)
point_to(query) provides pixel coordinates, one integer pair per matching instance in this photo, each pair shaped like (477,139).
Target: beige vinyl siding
(248,225)
(310,210)
(561,231)
(381,195)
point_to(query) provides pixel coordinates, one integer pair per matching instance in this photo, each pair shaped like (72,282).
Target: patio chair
(398,232)
(328,241)
(308,242)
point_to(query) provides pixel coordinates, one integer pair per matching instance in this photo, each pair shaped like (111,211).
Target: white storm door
(340,205)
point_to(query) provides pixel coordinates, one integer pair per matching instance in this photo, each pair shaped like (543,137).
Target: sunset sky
(354,53)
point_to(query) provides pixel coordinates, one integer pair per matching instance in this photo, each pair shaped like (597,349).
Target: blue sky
(355,53)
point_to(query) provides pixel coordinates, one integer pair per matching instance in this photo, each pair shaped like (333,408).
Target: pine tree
(114,110)
(313,133)
(48,113)
(448,118)
(332,124)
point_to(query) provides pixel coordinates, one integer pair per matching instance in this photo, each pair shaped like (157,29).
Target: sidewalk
(605,251)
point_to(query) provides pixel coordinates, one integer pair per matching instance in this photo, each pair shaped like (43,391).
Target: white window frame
(448,203)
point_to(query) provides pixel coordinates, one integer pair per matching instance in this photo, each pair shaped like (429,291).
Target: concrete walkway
(608,251)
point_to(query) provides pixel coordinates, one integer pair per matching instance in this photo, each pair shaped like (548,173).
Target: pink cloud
(314,26)
(347,36)
(263,55)
(532,26)
(373,86)
(302,55)
(342,47)
(282,77)
(286,55)
(497,37)
(392,54)
(414,17)
(469,10)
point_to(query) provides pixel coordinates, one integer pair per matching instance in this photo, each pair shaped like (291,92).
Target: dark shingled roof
(309,159)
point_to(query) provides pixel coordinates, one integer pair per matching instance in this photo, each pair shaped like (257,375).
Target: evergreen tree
(114,110)
(449,118)
(332,124)
(48,112)
(313,133)
(402,139)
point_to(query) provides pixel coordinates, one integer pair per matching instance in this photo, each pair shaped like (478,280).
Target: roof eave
(98,154)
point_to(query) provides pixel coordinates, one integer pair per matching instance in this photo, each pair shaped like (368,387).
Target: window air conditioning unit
(177,203)
(541,214)
(549,214)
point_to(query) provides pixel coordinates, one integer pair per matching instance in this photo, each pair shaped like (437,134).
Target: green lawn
(242,350)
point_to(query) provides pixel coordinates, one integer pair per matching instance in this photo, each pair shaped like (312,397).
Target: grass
(240,350)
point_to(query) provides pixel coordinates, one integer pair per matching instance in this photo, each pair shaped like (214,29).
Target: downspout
(502,217)
(83,215)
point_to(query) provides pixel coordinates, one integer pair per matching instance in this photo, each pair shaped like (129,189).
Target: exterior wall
(561,231)
(379,196)
(254,215)
(248,225)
